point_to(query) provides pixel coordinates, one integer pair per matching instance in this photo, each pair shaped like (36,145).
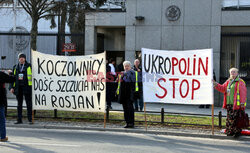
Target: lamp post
(14,30)
(59,31)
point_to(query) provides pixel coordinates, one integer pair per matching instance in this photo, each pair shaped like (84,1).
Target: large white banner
(178,77)
(74,83)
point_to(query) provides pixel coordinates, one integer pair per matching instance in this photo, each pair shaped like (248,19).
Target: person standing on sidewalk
(4,78)
(23,87)
(111,84)
(125,92)
(138,89)
(235,94)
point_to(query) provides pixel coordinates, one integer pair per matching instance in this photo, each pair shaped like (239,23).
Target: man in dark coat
(23,87)
(139,93)
(126,89)
(4,78)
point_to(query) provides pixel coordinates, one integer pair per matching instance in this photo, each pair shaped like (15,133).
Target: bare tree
(37,9)
(73,12)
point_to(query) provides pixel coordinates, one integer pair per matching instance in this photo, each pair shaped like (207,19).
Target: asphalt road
(72,141)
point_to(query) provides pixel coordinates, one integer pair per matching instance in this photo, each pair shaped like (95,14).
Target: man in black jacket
(22,87)
(126,90)
(4,78)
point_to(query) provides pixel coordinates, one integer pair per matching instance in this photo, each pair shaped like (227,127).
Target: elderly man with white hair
(125,92)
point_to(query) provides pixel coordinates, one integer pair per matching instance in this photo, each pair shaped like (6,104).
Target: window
(235,4)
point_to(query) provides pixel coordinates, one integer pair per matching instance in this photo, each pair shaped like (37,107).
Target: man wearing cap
(22,87)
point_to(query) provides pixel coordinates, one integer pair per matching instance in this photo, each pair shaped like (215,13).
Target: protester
(4,78)
(111,85)
(125,92)
(235,93)
(138,94)
(120,67)
(22,87)
(112,66)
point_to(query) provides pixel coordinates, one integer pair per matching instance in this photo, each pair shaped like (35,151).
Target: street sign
(69,47)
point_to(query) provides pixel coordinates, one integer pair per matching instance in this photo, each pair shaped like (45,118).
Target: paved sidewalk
(193,109)
(201,133)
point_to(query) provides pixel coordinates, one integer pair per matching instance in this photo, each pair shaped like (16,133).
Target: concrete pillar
(90,40)
(130,44)
(130,56)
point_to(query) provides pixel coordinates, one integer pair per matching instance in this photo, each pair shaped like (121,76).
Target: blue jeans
(140,102)
(2,123)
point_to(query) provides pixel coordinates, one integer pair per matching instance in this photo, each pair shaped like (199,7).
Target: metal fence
(163,116)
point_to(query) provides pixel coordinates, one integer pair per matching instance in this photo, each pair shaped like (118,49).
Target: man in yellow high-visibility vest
(22,87)
(125,92)
(138,85)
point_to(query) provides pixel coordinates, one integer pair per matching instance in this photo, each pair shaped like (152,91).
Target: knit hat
(21,55)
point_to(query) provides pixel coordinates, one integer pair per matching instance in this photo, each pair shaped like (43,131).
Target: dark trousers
(28,99)
(110,92)
(232,119)
(129,113)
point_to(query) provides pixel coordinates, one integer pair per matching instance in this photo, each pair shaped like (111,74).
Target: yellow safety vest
(29,76)
(136,81)
(119,84)
(238,94)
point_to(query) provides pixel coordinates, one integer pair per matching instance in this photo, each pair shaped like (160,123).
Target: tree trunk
(63,24)
(33,33)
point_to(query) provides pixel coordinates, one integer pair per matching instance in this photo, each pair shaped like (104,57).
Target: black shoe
(141,109)
(229,134)
(201,106)
(136,109)
(129,126)
(109,107)
(236,135)
(18,122)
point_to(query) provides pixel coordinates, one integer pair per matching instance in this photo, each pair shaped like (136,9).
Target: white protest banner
(178,77)
(73,83)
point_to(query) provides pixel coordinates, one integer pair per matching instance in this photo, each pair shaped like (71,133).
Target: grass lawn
(117,117)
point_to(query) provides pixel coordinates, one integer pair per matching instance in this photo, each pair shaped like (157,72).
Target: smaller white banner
(178,77)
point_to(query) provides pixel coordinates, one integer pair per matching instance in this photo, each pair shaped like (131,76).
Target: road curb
(139,131)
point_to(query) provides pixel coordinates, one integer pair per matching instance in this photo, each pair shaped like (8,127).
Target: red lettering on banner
(194,64)
(180,89)
(188,73)
(165,90)
(173,79)
(203,67)
(185,65)
(195,88)
(174,64)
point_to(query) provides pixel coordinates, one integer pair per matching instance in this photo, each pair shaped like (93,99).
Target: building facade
(222,25)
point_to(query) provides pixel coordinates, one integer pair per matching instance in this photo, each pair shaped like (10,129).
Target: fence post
(107,114)
(220,118)
(162,115)
(55,113)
